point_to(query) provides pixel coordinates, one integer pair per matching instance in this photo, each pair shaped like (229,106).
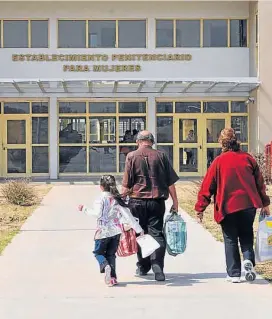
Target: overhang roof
(146,86)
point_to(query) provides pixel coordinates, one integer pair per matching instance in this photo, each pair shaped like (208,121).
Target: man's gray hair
(145,137)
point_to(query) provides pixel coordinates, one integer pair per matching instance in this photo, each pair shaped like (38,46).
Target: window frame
(87,42)
(89,115)
(29,24)
(201,20)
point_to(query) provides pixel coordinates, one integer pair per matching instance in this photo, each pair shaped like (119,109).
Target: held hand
(175,207)
(199,217)
(266,211)
(80,208)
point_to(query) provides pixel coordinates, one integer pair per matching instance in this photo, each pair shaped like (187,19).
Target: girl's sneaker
(108,275)
(114,282)
(250,273)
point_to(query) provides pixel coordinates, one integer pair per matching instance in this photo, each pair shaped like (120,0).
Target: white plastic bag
(148,245)
(264,240)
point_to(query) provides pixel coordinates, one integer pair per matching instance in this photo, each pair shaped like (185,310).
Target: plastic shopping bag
(175,233)
(148,245)
(264,240)
(128,244)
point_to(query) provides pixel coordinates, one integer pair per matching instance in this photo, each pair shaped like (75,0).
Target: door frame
(5,146)
(197,145)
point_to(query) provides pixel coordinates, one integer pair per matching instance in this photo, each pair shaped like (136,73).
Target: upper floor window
(25,33)
(164,33)
(176,33)
(72,34)
(238,33)
(102,33)
(215,33)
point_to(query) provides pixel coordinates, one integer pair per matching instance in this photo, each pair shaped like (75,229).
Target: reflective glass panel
(16,160)
(187,131)
(164,33)
(129,127)
(188,161)
(72,130)
(214,128)
(16,132)
(102,159)
(240,126)
(188,107)
(40,160)
(165,129)
(102,130)
(102,34)
(168,150)
(72,159)
(188,33)
(39,130)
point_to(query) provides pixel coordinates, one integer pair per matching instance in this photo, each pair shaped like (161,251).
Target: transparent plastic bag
(148,245)
(264,240)
(175,233)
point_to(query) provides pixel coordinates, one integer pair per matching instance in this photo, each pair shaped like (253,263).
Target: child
(111,211)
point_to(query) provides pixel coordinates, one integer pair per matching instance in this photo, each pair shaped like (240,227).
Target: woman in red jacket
(235,181)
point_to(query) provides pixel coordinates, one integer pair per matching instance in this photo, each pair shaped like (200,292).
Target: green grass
(187,194)
(12,217)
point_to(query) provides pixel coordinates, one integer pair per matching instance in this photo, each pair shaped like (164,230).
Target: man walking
(149,179)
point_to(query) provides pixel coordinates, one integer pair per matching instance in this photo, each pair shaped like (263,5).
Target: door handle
(3,147)
(200,147)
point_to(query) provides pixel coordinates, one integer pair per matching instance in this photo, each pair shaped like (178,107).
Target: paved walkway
(48,272)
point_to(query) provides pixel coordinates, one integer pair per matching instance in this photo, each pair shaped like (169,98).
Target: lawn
(12,217)
(187,194)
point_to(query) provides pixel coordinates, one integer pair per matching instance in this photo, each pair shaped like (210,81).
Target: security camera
(250,100)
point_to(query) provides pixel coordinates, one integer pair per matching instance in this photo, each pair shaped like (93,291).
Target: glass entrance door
(213,126)
(188,149)
(15,146)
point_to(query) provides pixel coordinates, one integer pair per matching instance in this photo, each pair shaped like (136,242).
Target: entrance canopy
(222,86)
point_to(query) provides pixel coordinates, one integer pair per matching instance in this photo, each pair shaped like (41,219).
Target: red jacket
(236,182)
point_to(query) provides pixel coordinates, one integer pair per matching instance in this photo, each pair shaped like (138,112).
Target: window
(15,34)
(102,34)
(238,33)
(39,34)
(95,136)
(216,107)
(71,34)
(215,33)
(188,33)
(25,33)
(132,34)
(164,33)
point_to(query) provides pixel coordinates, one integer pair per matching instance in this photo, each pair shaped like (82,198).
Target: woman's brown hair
(228,140)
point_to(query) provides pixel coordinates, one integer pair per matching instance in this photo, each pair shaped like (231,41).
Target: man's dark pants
(238,226)
(150,213)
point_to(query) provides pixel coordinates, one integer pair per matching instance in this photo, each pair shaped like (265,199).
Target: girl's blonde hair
(228,140)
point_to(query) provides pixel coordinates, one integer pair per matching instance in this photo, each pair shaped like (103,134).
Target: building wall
(265,73)
(205,63)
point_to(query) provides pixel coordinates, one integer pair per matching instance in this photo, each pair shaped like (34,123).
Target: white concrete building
(78,79)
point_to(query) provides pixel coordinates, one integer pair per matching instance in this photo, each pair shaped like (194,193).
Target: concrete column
(53,36)
(264,95)
(53,138)
(151,116)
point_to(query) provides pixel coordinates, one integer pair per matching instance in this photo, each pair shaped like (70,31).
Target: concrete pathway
(48,272)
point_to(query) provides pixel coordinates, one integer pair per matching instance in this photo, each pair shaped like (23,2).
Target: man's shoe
(250,273)
(140,272)
(159,276)
(234,280)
